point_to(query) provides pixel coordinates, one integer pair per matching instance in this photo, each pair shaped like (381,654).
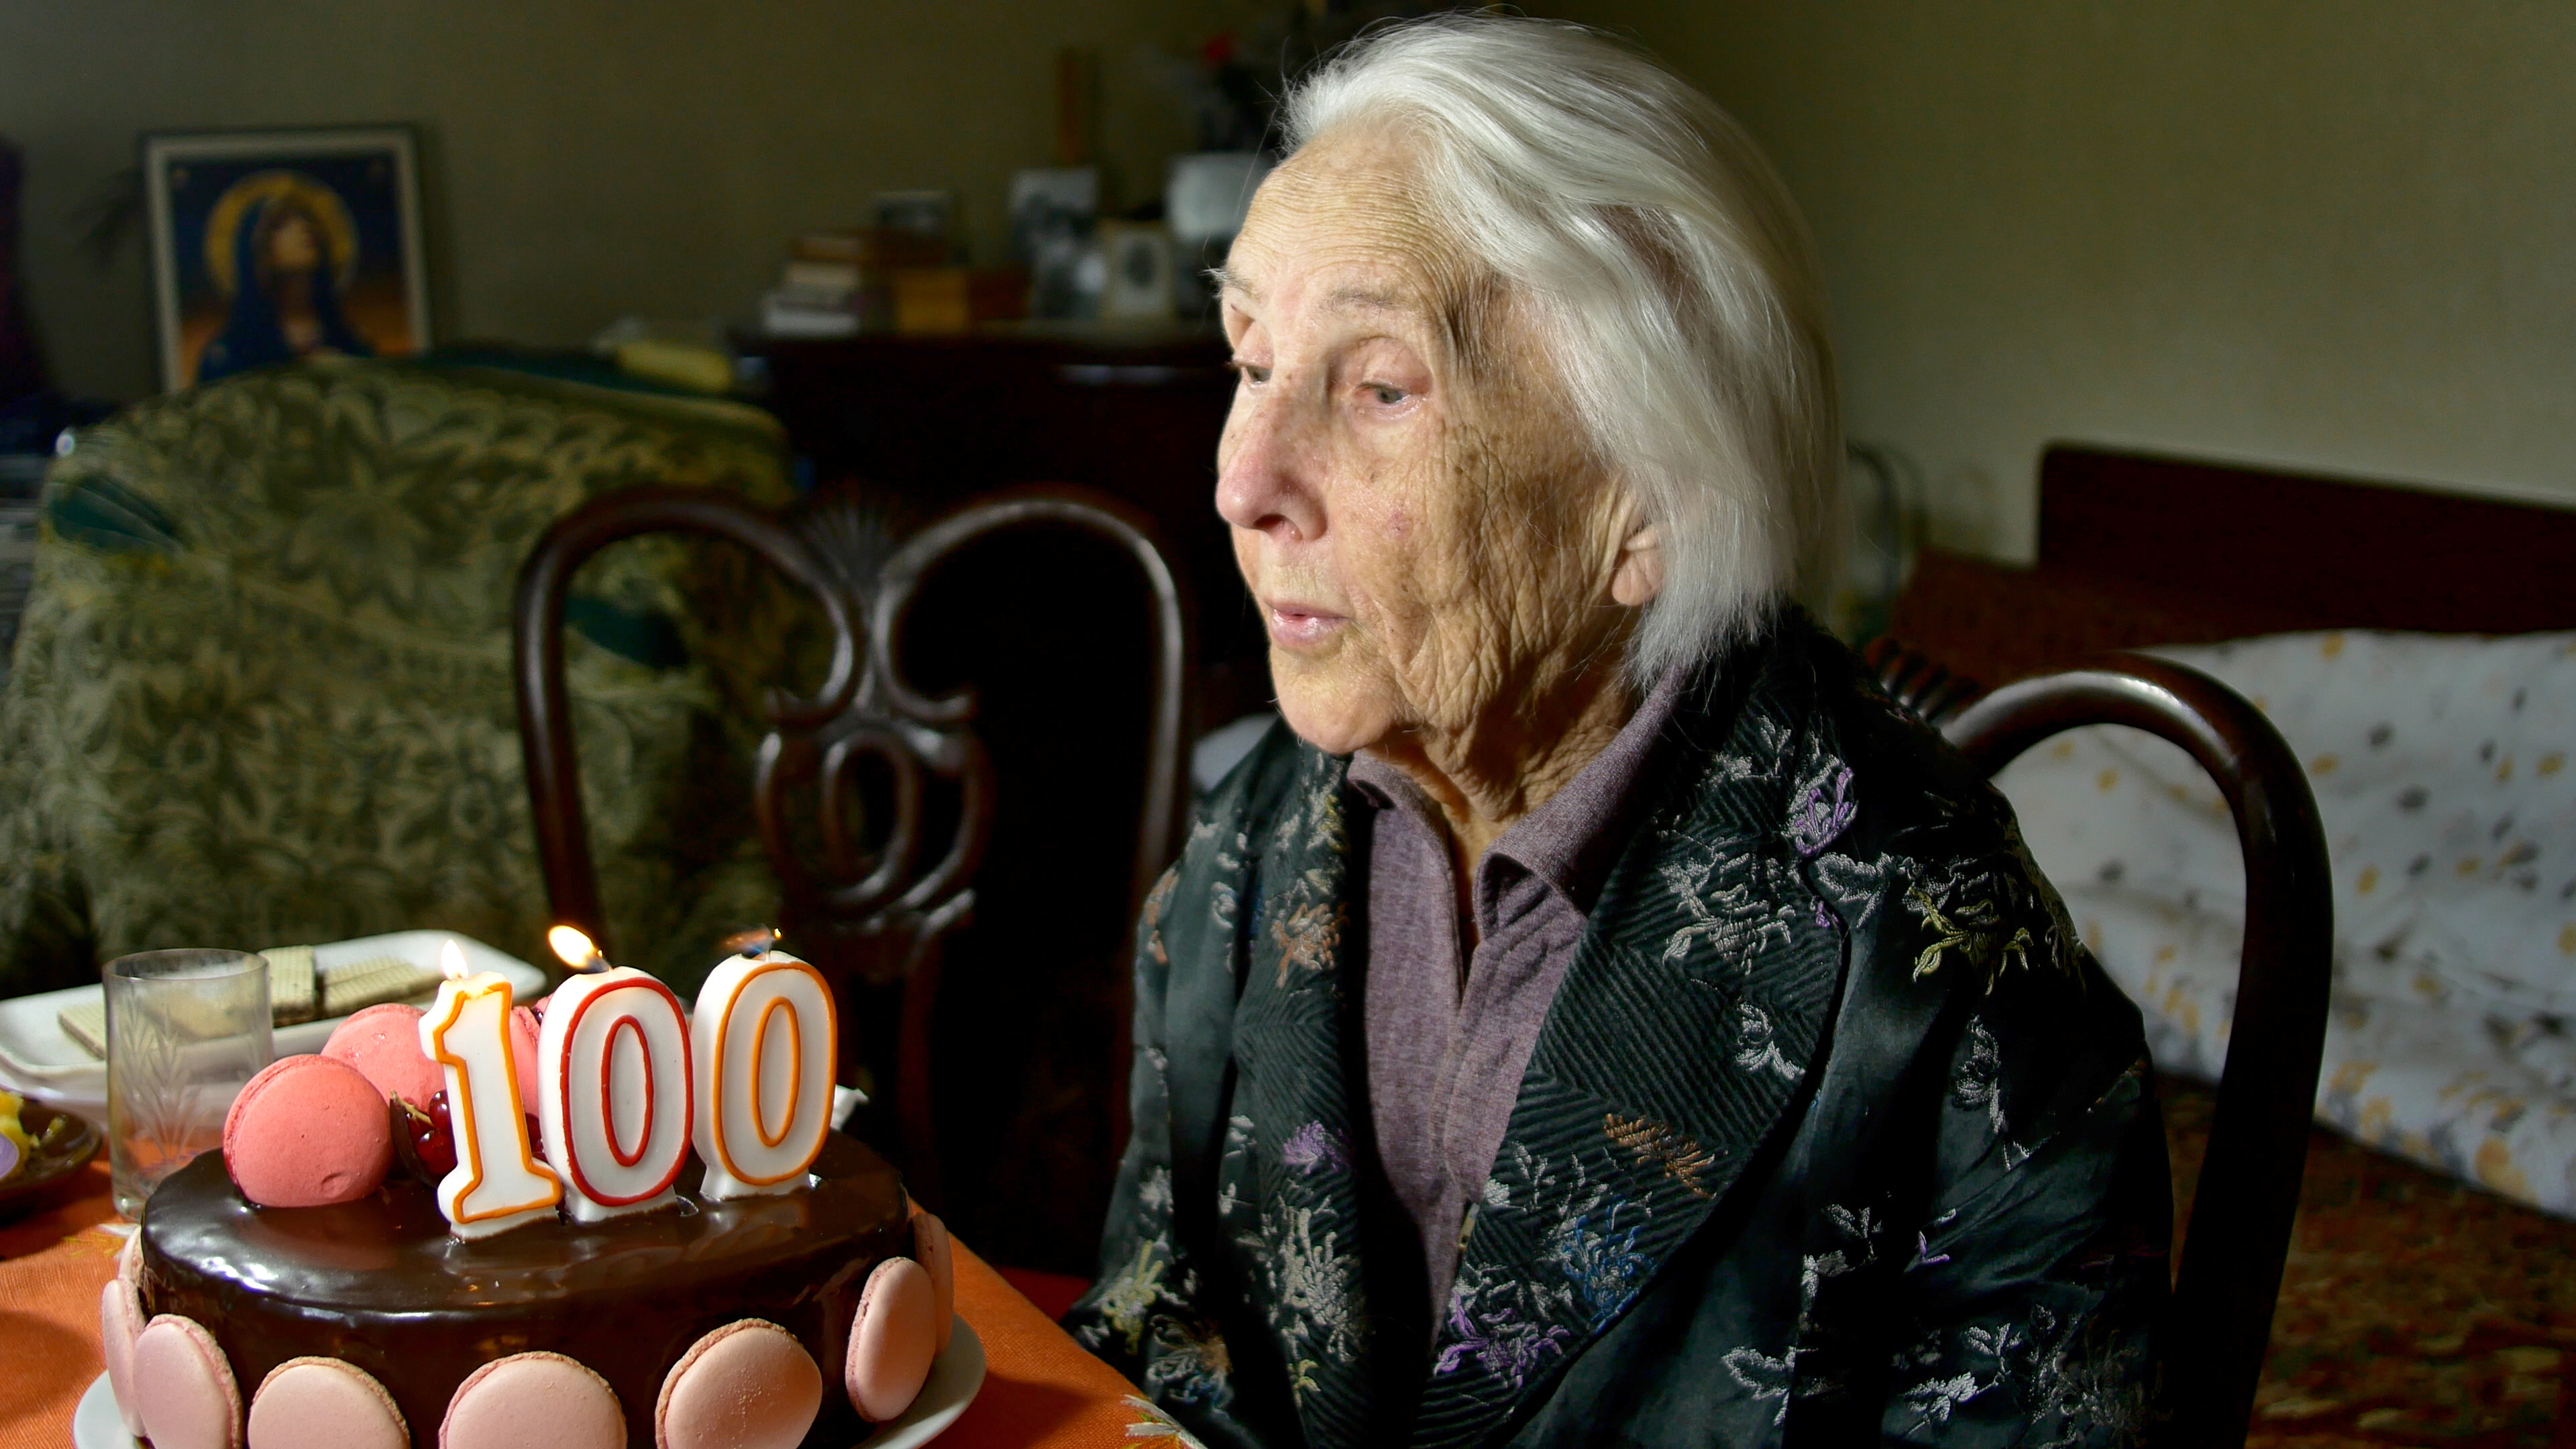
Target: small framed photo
(1141,283)
(268,246)
(1053,213)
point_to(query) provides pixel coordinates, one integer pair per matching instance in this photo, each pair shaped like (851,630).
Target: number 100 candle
(627,1083)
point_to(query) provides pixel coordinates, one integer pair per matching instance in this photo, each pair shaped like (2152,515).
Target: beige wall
(2335,236)
(586,158)
(2331,236)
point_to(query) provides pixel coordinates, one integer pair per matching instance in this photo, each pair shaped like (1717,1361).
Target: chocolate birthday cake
(321,1280)
(380,1285)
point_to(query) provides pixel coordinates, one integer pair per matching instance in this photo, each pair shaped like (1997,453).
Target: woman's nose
(1264,478)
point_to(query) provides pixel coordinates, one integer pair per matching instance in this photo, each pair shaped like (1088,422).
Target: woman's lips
(1300,626)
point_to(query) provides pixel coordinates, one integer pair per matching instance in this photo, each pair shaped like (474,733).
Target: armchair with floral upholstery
(261,694)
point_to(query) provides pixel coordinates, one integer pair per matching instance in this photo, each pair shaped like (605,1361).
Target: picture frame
(1053,214)
(1141,280)
(274,245)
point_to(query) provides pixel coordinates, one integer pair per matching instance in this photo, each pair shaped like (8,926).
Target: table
(1040,1388)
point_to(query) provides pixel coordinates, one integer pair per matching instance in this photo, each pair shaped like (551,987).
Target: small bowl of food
(39,1147)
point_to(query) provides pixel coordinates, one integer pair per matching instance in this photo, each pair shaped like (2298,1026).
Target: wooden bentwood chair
(2228,1273)
(871,912)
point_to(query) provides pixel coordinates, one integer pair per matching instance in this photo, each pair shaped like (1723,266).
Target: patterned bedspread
(2441,768)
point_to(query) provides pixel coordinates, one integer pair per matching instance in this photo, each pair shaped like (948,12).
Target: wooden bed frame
(2136,549)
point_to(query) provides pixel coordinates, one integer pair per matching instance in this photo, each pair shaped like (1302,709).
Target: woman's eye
(1248,371)
(1385,394)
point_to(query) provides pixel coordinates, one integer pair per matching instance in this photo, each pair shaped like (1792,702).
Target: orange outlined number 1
(497,1184)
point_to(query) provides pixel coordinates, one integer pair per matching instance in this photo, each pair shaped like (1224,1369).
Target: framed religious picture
(268,246)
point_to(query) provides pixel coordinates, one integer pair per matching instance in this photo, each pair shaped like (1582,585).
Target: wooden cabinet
(933,420)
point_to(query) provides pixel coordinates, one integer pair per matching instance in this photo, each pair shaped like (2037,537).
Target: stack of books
(838,283)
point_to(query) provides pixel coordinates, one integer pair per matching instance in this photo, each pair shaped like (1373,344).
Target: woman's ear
(1640,575)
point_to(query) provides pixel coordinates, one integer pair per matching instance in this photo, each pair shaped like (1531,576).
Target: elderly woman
(1598,1016)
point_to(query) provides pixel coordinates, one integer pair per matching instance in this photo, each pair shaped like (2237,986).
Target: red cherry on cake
(426,1138)
(427,1141)
(384,1043)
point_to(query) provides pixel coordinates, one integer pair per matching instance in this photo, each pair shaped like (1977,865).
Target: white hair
(1669,275)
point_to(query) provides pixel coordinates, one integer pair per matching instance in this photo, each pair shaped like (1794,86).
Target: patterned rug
(2415,1309)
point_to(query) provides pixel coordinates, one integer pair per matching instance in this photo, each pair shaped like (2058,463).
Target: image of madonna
(282,247)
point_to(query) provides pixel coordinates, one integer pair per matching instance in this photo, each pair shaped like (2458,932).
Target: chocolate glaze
(380,1284)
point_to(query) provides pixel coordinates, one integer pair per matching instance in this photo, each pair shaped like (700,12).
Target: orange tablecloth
(1039,1387)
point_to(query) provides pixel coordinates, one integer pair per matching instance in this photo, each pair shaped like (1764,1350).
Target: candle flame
(451,962)
(754,941)
(576,949)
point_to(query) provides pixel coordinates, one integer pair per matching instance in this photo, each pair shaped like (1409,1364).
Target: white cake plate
(96,1424)
(954,1379)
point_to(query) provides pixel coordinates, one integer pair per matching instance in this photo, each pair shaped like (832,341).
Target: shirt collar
(1572,839)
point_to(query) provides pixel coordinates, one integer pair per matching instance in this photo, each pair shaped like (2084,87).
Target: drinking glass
(185,1030)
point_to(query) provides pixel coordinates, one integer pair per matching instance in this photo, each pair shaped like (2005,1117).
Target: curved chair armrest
(2229,1273)
(545,715)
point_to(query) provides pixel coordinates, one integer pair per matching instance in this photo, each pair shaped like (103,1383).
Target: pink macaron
(524,1027)
(323,1403)
(120,1322)
(891,1341)
(383,1043)
(533,1398)
(183,1387)
(747,1385)
(930,1248)
(308,1131)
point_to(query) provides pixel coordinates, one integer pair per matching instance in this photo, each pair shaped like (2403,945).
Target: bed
(2426,1302)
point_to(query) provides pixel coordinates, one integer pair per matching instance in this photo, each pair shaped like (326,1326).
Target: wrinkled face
(1426,536)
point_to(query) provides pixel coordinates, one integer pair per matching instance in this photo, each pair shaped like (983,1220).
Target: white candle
(614,1093)
(498,1184)
(764,1038)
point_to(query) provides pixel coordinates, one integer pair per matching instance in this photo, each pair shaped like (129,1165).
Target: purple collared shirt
(1449,1032)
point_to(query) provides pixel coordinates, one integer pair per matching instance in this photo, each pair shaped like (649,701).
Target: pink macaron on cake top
(525,1029)
(383,1042)
(308,1131)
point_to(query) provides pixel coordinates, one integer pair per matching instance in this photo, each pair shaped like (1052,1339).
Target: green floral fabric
(262,692)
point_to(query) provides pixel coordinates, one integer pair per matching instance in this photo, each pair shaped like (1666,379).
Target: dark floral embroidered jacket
(1833,1135)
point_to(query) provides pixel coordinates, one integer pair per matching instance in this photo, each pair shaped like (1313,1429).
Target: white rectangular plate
(38,1061)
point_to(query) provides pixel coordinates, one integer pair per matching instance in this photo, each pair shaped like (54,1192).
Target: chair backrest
(2229,1271)
(868,907)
